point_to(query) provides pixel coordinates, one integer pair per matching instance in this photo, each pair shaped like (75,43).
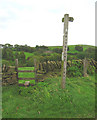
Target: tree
(30,62)
(10,54)
(4,53)
(57,50)
(9,45)
(90,52)
(79,48)
(7,54)
(22,57)
(81,55)
(16,55)
(16,46)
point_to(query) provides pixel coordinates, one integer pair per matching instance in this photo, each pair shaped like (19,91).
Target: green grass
(48,100)
(52,47)
(27,54)
(71,48)
(26,68)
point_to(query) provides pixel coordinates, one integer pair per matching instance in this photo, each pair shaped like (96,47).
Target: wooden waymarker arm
(71,19)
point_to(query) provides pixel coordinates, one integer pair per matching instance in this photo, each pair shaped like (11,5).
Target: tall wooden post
(16,68)
(64,53)
(35,69)
(85,65)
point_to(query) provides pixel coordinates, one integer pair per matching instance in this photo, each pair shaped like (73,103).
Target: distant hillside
(26,54)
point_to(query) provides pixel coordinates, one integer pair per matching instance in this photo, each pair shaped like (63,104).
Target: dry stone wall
(9,76)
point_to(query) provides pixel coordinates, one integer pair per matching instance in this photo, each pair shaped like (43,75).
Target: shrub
(81,55)
(90,52)
(57,50)
(30,62)
(73,71)
(7,63)
(78,48)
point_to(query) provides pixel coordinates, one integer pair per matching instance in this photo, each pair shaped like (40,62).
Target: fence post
(85,65)
(16,68)
(4,67)
(35,69)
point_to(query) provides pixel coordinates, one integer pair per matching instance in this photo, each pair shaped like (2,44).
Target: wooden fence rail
(26,71)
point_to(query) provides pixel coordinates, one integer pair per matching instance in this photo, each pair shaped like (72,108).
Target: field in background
(71,50)
(27,54)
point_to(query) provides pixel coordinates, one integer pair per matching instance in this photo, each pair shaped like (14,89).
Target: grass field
(48,100)
(71,50)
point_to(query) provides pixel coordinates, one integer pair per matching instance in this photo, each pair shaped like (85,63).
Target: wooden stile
(25,70)
(35,70)
(11,66)
(85,65)
(26,78)
(16,68)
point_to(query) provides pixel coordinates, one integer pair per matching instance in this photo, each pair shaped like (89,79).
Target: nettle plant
(91,70)
(75,70)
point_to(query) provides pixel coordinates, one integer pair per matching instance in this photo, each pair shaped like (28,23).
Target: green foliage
(17,55)
(71,57)
(74,71)
(22,57)
(43,53)
(90,52)
(30,62)
(7,46)
(55,57)
(81,55)
(49,100)
(7,63)
(57,50)
(24,48)
(91,70)
(7,54)
(4,53)
(79,48)
(46,54)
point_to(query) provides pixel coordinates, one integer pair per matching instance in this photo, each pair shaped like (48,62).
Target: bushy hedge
(78,48)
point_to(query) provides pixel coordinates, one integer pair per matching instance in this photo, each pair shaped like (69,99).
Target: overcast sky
(39,22)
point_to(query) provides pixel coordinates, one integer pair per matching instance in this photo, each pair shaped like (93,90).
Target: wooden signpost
(64,53)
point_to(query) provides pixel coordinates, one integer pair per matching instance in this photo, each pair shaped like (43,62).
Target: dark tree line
(7,54)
